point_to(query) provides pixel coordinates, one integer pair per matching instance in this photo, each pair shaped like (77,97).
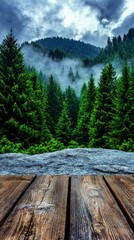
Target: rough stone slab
(80,161)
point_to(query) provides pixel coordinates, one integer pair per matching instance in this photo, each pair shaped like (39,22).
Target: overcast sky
(90,21)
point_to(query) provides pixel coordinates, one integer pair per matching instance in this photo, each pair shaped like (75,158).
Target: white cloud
(68,18)
(80,18)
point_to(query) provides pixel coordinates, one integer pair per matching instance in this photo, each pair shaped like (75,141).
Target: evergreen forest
(58,47)
(36,117)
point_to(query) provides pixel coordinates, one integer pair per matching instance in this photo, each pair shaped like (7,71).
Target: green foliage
(127,145)
(88,93)
(35,118)
(51,146)
(72,104)
(7,146)
(58,47)
(118,48)
(63,131)
(54,104)
(57,54)
(22,100)
(74,144)
(54,145)
(103,108)
(122,122)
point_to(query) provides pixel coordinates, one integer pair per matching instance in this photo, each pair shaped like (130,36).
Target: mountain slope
(118,48)
(69,47)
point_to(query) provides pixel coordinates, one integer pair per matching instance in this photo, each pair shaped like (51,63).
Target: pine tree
(131,105)
(103,108)
(77,75)
(36,115)
(123,118)
(72,106)
(71,75)
(86,106)
(54,104)
(109,46)
(21,106)
(63,131)
(91,94)
(11,67)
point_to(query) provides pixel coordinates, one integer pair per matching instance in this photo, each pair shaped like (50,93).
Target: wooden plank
(41,213)
(11,188)
(123,190)
(17,177)
(95,213)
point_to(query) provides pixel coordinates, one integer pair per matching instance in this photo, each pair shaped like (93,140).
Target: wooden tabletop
(61,207)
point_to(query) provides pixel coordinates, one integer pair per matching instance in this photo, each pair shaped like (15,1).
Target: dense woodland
(117,49)
(58,48)
(36,118)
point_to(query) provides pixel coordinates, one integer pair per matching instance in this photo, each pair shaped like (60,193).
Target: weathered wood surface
(11,188)
(123,189)
(59,207)
(41,213)
(17,177)
(94,212)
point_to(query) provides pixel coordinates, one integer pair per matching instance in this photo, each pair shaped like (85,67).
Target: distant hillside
(58,47)
(118,48)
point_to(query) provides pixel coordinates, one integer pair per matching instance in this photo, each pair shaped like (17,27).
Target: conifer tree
(54,104)
(21,108)
(71,75)
(131,106)
(103,108)
(11,67)
(63,131)
(72,105)
(86,106)
(91,94)
(123,118)
(37,103)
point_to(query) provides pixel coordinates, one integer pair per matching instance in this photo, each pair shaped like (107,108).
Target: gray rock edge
(79,161)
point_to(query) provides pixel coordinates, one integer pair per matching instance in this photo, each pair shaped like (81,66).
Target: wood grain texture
(95,213)
(123,190)
(11,188)
(41,213)
(17,177)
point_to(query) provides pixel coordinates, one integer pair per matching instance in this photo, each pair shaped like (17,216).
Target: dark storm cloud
(10,17)
(125,26)
(108,9)
(87,20)
(95,39)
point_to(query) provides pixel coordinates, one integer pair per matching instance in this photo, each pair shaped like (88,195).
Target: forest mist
(55,118)
(60,69)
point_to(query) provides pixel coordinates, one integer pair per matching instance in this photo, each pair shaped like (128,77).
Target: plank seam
(67,225)
(123,210)
(15,203)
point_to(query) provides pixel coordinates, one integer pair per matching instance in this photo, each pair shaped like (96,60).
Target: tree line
(60,47)
(117,49)
(36,118)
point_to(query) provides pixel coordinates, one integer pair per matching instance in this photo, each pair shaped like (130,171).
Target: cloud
(10,17)
(88,20)
(95,39)
(60,70)
(108,9)
(124,27)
